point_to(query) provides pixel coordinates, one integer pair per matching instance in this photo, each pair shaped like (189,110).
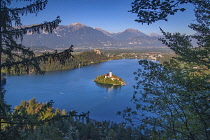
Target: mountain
(154,35)
(64,36)
(106,32)
(80,35)
(129,33)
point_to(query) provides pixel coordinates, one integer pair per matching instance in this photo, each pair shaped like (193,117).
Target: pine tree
(172,99)
(63,112)
(16,56)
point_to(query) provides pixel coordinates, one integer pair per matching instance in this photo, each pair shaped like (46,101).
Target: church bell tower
(110,73)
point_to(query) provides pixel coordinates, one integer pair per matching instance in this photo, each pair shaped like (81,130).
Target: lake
(75,89)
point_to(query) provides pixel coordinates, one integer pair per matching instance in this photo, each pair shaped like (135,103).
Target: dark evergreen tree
(172,99)
(15,56)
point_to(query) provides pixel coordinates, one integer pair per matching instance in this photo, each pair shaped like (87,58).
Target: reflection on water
(109,86)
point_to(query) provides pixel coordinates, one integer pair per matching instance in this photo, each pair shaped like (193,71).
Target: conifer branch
(18,32)
(29,63)
(37,6)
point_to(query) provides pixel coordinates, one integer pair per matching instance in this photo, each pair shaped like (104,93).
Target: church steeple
(110,73)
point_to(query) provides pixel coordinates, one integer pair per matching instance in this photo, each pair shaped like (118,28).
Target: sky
(110,15)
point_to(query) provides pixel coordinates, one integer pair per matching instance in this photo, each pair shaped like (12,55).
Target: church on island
(109,78)
(109,75)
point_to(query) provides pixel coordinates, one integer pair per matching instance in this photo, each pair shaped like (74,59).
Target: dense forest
(171,99)
(78,60)
(32,120)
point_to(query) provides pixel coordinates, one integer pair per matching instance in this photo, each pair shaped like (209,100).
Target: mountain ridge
(81,35)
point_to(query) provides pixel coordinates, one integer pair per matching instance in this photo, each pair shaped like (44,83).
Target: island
(109,79)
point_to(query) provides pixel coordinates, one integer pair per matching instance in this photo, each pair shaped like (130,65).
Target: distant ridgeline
(110,79)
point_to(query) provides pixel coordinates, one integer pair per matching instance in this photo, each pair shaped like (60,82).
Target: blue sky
(110,15)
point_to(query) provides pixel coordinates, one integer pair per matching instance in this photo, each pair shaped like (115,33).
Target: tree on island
(172,100)
(14,56)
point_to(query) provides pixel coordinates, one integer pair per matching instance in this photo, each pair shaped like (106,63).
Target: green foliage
(69,129)
(63,112)
(15,57)
(80,60)
(151,11)
(177,102)
(167,57)
(33,118)
(171,99)
(28,123)
(46,132)
(101,79)
(40,110)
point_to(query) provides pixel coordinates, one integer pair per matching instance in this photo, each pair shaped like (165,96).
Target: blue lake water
(75,89)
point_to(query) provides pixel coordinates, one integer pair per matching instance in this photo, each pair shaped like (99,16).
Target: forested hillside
(79,60)
(36,121)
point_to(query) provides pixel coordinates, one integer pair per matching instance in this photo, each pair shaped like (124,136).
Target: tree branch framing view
(175,93)
(171,99)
